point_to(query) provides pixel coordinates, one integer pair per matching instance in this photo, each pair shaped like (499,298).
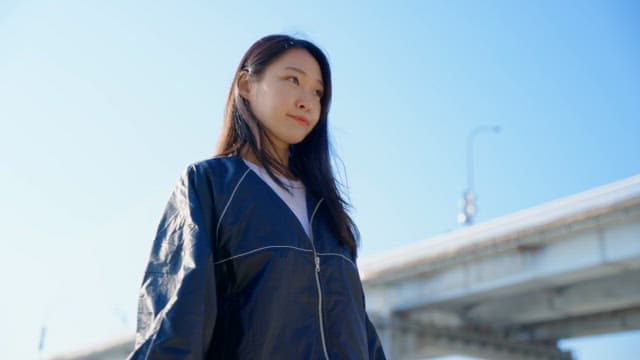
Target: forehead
(298,60)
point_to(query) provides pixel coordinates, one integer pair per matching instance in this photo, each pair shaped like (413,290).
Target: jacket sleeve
(177,304)
(375,346)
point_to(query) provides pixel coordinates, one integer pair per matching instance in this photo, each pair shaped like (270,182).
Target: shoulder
(218,166)
(221,173)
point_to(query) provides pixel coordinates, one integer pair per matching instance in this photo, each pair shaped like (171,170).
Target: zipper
(316,260)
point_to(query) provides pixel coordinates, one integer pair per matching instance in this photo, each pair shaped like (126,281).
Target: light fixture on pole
(468,203)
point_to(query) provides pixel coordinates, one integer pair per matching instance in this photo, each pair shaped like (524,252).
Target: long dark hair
(309,160)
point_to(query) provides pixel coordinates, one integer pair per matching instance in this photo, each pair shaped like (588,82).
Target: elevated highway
(512,287)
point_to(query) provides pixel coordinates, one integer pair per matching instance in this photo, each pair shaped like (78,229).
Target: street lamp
(469,197)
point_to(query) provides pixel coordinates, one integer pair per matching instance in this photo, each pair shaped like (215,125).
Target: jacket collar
(312,200)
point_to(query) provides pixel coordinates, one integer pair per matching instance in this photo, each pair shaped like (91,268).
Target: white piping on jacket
(262,248)
(224,211)
(342,256)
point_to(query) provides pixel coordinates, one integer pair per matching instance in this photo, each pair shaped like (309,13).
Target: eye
(319,93)
(293,80)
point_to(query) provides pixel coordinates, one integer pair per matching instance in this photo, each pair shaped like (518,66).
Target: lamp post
(469,197)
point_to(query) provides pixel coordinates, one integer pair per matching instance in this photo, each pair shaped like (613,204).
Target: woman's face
(286,98)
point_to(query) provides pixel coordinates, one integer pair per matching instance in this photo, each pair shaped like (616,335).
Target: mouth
(300,119)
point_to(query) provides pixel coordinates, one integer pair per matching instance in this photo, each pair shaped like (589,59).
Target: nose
(304,102)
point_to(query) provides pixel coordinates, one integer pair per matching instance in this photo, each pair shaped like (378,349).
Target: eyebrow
(302,72)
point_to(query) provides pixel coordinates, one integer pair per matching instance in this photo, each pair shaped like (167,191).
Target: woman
(254,256)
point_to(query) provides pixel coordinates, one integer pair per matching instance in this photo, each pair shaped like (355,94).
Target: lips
(300,119)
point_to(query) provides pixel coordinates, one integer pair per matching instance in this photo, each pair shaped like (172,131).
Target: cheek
(317,111)
(275,100)
(317,121)
(262,104)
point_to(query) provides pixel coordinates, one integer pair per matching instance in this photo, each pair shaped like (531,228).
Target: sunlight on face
(286,98)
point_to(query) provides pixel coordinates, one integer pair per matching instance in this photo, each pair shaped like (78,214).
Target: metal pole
(469,197)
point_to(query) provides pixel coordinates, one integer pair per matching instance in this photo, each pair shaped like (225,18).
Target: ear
(244,85)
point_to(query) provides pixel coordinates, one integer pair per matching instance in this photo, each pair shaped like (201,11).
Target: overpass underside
(512,288)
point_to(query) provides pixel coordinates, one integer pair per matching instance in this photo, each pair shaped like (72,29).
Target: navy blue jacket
(233,275)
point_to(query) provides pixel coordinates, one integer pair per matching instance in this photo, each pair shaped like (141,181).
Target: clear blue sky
(103,104)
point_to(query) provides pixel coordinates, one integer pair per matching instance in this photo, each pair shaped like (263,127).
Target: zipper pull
(317,264)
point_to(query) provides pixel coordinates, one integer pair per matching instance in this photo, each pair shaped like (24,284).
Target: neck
(281,155)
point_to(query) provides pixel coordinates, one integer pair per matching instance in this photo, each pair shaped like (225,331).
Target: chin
(296,140)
